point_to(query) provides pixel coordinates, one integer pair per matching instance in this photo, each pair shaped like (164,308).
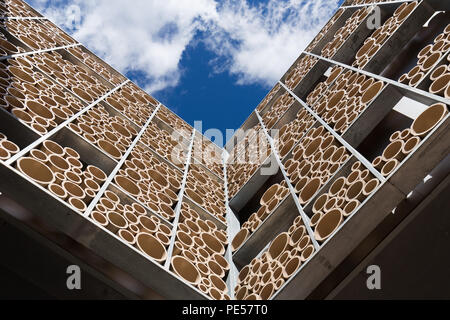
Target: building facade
(343,156)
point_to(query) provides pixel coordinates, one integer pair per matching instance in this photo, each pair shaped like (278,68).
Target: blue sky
(215,99)
(206,60)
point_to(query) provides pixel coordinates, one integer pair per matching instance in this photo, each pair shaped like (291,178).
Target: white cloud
(148,36)
(255,43)
(259,43)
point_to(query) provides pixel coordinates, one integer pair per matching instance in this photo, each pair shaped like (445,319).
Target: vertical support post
(233,227)
(119,165)
(288,182)
(180,201)
(341,140)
